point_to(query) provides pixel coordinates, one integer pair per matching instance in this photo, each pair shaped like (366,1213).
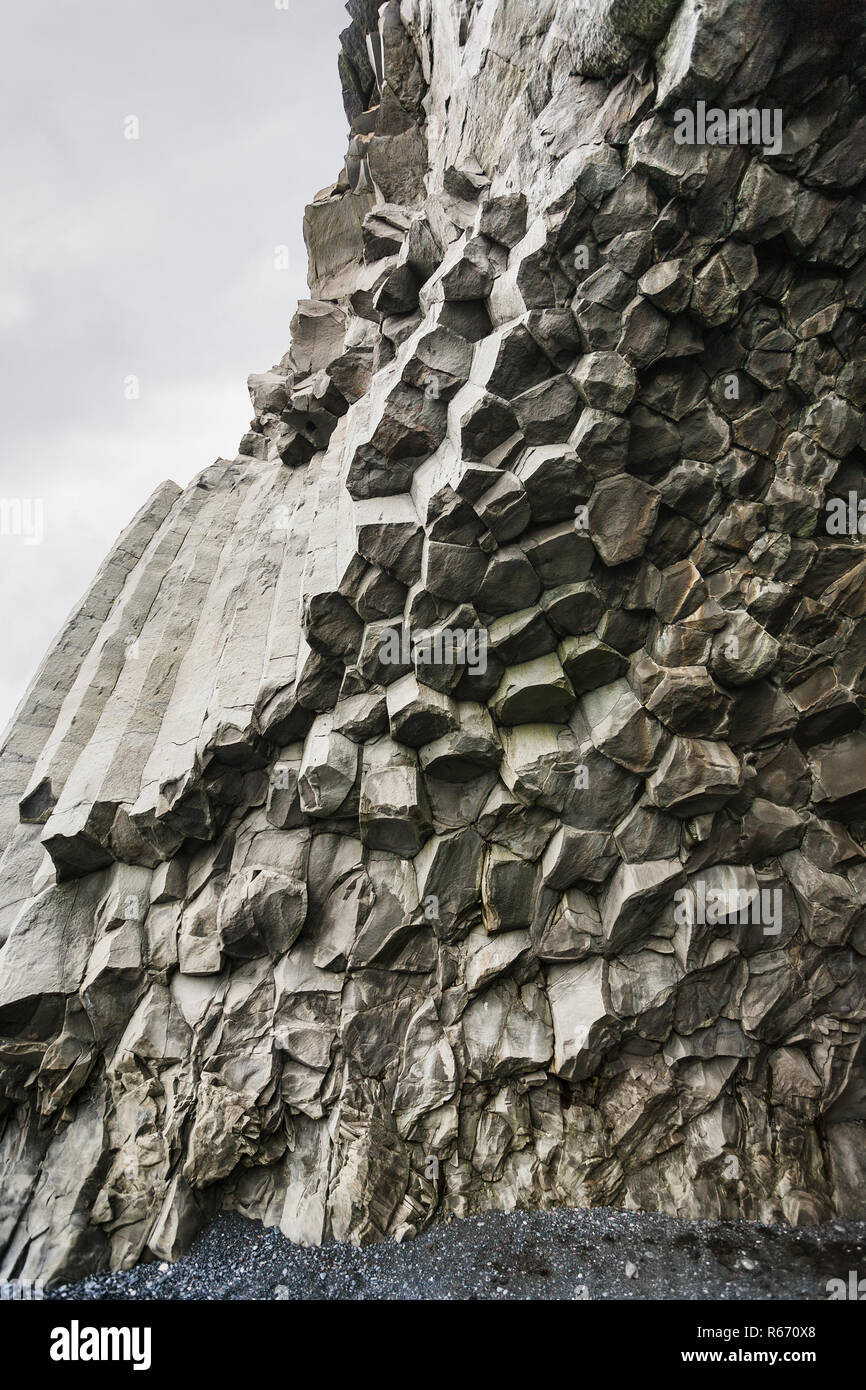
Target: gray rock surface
(457,800)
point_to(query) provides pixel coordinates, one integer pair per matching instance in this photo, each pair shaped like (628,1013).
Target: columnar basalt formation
(458,799)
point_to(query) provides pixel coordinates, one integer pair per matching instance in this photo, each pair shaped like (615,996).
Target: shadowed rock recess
(458,799)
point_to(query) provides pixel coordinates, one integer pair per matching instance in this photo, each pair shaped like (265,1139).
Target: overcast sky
(151,258)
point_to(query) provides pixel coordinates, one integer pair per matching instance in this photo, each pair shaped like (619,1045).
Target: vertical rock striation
(458,799)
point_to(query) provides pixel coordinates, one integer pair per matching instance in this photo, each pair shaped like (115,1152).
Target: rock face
(458,799)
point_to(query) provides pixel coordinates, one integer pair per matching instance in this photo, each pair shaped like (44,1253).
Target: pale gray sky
(151,258)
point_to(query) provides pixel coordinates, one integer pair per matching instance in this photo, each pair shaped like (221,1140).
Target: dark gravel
(597,1254)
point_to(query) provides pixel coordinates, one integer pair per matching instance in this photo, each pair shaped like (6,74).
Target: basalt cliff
(457,799)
